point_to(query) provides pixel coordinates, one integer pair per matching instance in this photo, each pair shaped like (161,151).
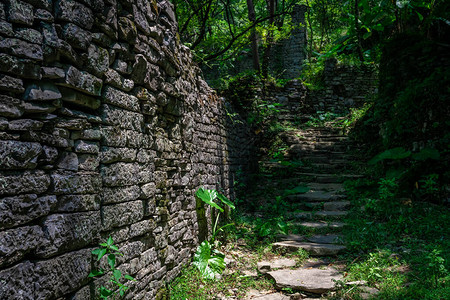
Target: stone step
(314,249)
(282,263)
(319,224)
(318,239)
(316,281)
(328,178)
(320,215)
(337,188)
(336,205)
(316,196)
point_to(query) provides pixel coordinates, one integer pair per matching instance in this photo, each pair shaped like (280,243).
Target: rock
(76,37)
(77,203)
(282,263)
(309,280)
(368,292)
(312,248)
(121,214)
(44,91)
(122,118)
(97,60)
(336,205)
(25,125)
(321,224)
(6,29)
(21,48)
(11,84)
(43,15)
(71,11)
(82,81)
(20,12)
(50,36)
(68,161)
(41,108)
(19,155)
(330,214)
(63,183)
(118,174)
(127,30)
(20,67)
(22,209)
(113,78)
(10,107)
(29,35)
(65,232)
(86,147)
(88,162)
(70,95)
(316,196)
(326,239)
(87,134)
(52,73)
(17,242)
(120,99)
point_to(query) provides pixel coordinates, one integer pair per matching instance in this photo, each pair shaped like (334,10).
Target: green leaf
(100,254)
(117,274)
(208,196)
(104,244)
(128,277)
(225,201)
(426,153)
(111,260)
(114,247)
(395,153)
(96,273)
(420,16)
(110,241)
(367,35)
(105,293)
(301,189)
(209,263)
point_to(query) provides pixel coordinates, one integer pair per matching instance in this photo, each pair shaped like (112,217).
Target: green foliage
(110,251)
(209,261)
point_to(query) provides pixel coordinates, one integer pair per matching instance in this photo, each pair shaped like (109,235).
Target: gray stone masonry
(106,129)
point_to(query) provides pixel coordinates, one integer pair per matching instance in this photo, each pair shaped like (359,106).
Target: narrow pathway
(317,216)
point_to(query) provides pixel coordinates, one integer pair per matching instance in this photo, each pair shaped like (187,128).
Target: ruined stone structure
(106,129)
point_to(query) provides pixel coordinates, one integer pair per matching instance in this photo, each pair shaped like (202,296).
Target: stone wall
(106,129)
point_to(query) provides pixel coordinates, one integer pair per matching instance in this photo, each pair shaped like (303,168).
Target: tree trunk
(253,37)
(269,39)
(358,32)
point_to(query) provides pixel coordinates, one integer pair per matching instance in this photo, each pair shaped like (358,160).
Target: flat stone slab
(320,224)
(314,249)
(326,239)
(317,196)
(272,296)
(309,280)
(336,205)
(282,263)
(329,214)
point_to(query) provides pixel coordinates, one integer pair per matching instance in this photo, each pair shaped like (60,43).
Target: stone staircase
(318,215)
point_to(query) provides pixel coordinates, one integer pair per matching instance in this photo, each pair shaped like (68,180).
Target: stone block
(72,96)
(77,203)
(10,107)
(113,78)
(43,91)
(52,73)
(120,194)
(29,35)
(21,48)
(82,81)
(88,134)
(71,11)
(86,147)
(19,155)
(6,29)
(76,36)
(127,30)
(110,155)
(41,107)
(50,35)
(15,243)
(48,279)
(20,67)
(24,182)
(88,162)
(66,232)
(25,125)
(43,15)
(22,209)
(112,136)
(145,73)
(11,84)
(122,118)
(20,12)
(97,60)
(72,124)
(121,99)
(121,214)
(119,174)
(66,183)
(68,161)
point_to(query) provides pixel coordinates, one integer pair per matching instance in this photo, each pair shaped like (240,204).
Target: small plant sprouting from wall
(111,251)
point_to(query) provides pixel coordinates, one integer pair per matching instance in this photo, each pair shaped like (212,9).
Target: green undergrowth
(191,285)
(398,246)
